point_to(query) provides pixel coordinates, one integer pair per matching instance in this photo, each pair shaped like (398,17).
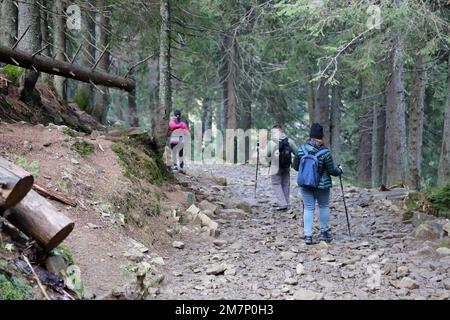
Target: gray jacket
(273,145)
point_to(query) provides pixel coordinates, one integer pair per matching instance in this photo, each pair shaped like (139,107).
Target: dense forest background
(375,74)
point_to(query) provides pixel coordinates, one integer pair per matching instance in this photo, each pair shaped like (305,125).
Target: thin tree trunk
(29,15)
(336,105)
(378,128)
(102,100)
(45,34)
(365,124)
(444,161)
(206,114)
(311,101)
(396,146)
(59,47)
(133,120)
(165,95)
(415,136)
(8,25)
(85,91)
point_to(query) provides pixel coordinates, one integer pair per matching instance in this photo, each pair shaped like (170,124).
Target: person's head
(177,114)
(316,131)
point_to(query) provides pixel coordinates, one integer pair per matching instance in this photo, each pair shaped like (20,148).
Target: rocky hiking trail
(259,253)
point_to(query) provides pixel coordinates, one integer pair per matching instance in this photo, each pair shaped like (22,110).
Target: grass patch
(12,73)
(32,167)
(84,148)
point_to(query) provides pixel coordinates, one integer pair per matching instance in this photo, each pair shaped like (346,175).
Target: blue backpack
(308,172)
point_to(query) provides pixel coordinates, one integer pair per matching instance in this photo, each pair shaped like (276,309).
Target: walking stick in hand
(257,166)
(345,206)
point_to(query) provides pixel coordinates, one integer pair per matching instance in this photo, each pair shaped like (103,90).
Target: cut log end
(19,191)
(59,237)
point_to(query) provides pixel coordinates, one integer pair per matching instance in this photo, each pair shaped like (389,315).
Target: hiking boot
(326,236)
(308,240)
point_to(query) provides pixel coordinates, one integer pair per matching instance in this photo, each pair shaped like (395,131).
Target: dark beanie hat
(316,131)
(177,113)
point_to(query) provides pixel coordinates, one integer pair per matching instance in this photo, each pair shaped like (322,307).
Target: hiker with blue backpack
(315,165)
(279,155)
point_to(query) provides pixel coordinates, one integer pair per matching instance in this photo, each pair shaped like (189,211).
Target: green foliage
(12,73)
(32,167)
(84,148)
(82,99)
(65,252)
(440,200)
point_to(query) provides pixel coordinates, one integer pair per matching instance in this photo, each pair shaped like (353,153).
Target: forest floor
(258,253)
(262,255)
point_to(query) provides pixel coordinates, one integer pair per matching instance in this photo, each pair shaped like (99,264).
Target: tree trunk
(85,91)
(229,87)
(59,47)
(444,161)
(378,134)
(162,113)
(311,101)
(65,69)
(323,107)
(29,15)
(8,25)
(336,105)
(101,106)
(415,136)
(396,147)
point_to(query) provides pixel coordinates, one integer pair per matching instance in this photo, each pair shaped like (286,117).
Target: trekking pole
(345,206)
(257,166)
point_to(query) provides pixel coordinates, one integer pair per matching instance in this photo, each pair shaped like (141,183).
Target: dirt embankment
(120,190)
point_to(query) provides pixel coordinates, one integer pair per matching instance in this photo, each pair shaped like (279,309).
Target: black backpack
(285,158)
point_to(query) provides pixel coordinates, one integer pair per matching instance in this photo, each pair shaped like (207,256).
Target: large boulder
(426,232)
(206,205)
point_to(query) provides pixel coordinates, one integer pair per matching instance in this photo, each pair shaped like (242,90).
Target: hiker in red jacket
(178,129)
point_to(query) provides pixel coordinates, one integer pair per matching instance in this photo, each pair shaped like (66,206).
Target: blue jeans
(309,200)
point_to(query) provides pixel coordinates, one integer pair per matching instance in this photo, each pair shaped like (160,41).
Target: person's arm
(298,155)
(330,166)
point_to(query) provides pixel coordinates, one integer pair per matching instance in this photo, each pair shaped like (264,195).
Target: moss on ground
(140,165)
(12,73)
(71,133)
(84,148)
(65,252)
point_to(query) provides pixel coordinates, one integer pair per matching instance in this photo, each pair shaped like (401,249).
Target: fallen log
(35,216)
(13,188)
(65,69)
(38,219)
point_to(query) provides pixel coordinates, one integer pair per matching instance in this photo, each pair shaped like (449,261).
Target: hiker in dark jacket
(320,193)
(279,155)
